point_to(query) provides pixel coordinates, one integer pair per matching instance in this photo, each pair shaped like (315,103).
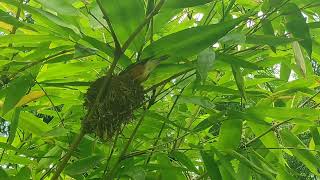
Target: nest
(116,106)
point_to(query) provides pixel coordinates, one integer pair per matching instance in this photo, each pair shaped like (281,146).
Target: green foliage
(235,94)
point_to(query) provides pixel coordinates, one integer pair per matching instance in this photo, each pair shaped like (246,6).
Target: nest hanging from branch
(115,108)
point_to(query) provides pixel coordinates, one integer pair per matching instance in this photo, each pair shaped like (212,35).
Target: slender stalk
(164,125)
(66,158)
(168,80)
(111,152)
(177,143)
(265,133)
(110,175)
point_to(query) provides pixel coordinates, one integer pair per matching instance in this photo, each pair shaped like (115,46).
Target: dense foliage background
(235,95)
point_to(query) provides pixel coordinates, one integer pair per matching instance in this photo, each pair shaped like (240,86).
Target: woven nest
(116,106)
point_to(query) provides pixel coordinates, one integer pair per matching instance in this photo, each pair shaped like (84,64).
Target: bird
(140,71)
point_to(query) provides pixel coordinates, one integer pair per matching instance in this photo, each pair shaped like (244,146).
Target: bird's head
(150,66)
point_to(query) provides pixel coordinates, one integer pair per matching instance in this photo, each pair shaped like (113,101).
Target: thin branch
(112,150)
(171,87)
(209,14)
(112,32)
(177,143)
(112,172)
(50,100)
(265,133)
(95,18)
(168,80)
(309,99)
(66,158)
(147,150)
(142,25)
(164,124)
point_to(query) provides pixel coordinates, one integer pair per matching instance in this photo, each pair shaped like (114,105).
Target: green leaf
(81,51)
(199,38)
(14,125)
(285,72)
(132,13)
(267,29)
(53,155)
(82,165)
(184,3)
(201,101)
(314,25)
(7,18)
(3,174)
(225,166)
(281,113)
(56,25)
(56,132)
(211,165)
(205,63)
(237,74)
(167,170)
(249,163)
(237,61)
(135,172)
(296,24)
(244,172)
(107,49)
(159,117)
(21,39)
(33,124)
(269,40)
(269,139)
(62,7)
(305,156)
(185,160)
(24,173)
(206,123)
(16,90)
(298,55)
(6,146)
(16,159)
(230,134)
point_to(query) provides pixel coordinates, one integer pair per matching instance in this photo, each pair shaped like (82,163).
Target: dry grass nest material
(116,107)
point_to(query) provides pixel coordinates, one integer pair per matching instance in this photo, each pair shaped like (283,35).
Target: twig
(111,174)
(111,152)
(147,150)
(66,158)
(164,124)
(50,100)
(168,80)
(264,133)
(141,26)
(209,14)
(171,87)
